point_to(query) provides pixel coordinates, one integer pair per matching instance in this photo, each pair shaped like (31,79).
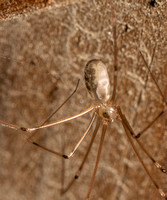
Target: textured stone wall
(42,55)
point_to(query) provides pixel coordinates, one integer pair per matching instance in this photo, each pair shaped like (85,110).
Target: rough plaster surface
(42,56)
(9,9)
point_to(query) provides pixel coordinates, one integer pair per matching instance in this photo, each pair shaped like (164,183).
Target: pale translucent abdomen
(97,80)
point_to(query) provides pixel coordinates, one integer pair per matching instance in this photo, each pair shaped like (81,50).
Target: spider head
(109,112)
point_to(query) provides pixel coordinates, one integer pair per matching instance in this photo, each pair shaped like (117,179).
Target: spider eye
(105,115)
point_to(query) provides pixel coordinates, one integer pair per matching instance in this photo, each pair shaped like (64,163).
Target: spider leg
(104,128)
(129,132)
(16,127)
(29,130)
(63,144)
(57,109)
(77,174)
(9,125)
(76,146)
(162,169)
(61,121)
(150,124)
(115,54)
(160,91)
(153,78)
(81,139)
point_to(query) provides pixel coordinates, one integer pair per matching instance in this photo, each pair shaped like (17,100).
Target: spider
(105,112)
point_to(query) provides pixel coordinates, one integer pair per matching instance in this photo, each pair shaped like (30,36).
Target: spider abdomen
(97,80)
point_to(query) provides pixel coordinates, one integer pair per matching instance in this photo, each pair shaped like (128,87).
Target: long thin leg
(63,164)
(146,79)
(16,127)
(163,97)
(150,124)
(105,124)
(81,139)
(162,169)
(152,76)
(77,174)
(135,118)
(126,128)
(115,62)
(115,51)
(75,148)
(139,99)
(61,121)
(57,109)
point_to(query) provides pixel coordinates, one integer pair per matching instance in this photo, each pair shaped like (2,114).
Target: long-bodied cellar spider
(103,149)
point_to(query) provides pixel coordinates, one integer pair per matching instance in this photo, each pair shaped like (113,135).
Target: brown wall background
(43,53)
